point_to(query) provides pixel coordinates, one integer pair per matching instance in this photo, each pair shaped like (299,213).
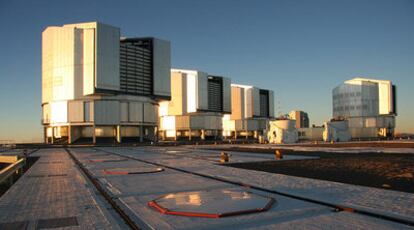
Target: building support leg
(118,134)
(53,135)
(93,135)
(45,135)
(203,134)
(70,139)
(156,134)
(141,133)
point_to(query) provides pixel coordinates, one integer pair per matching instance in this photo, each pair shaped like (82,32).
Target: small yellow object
(278,154)
(224,157)
(332,141)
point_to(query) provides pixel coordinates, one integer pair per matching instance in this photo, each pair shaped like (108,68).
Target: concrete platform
(54,193)
(134,192)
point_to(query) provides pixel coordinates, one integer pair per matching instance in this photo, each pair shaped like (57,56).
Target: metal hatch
(212,203)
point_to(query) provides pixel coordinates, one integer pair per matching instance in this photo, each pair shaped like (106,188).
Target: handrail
(9,170)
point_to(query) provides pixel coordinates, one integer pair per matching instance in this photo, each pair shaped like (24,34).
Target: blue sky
(299,49)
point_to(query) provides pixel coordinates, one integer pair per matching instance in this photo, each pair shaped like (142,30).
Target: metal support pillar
(93,135)
(70,139)
(118,134)
(141,133)
(203,134)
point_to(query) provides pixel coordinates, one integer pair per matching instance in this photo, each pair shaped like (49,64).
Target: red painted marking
(115,172)
(347,209)
(206,215)
(194,214)
(157,207)
(96,161)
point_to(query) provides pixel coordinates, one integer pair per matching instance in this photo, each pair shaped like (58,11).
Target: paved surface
(53,192)
(55,188)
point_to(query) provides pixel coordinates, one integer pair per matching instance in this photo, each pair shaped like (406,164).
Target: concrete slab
(39,201)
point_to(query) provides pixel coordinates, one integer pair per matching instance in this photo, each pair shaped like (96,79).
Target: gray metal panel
(256,101)
(135,112)
(150,115)
(88,111)
(162,66)
(271,104)
(252,102)
(124,111)
(107,57)
(202,93)
(106,112)
(226,94)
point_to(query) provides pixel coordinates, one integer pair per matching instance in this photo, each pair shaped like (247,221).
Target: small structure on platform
(336,131)
(282,131)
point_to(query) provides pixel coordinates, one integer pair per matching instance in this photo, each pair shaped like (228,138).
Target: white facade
(336,131)
(282,131)
(82,95)
(198,102)
(369,106)
(251,109)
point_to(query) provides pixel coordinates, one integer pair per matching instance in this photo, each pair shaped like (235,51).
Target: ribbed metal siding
(136,67)
(215,93)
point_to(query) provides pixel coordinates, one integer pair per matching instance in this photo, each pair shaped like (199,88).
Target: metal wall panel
(78,65)
(271,104)
(202,91)
(76,113)
(88,109)
(124,111)
(161,68)
(191,92)
(178,103)
(237,103)
(227,101)
(256,101)
(106,112)
(150,113)
(88,61)
(58,59)
(135,112)
(252,98)
(107,57)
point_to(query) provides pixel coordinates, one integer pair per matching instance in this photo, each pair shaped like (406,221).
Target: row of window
(347,94)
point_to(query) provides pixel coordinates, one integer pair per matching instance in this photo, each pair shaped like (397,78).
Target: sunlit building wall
(96,85)
(251,108)
(198,102)
(301,118)
(369,106)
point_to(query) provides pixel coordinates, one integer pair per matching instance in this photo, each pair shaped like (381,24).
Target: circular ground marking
(212,203)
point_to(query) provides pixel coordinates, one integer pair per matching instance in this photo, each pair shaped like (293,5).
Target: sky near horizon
(300,49)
